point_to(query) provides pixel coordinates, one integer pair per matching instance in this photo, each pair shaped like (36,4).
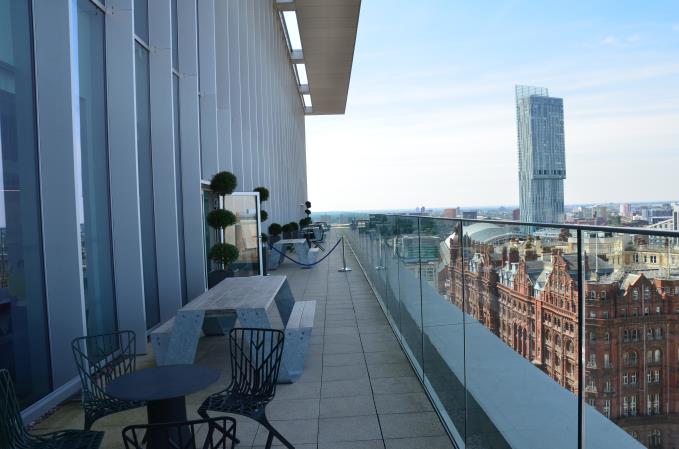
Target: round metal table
(164,389)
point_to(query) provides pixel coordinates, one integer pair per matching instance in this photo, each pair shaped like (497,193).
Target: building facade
(527,295)
(542,155)
(114,116)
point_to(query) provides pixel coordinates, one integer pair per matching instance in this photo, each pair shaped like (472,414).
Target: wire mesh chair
(255,363)
(183,435)
(14,435)
(101,359)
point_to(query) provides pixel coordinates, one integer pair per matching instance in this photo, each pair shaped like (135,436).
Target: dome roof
(487,233)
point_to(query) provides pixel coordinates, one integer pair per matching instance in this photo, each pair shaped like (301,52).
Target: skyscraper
(542,155)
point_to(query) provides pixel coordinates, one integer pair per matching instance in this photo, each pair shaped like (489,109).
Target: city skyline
(450,138)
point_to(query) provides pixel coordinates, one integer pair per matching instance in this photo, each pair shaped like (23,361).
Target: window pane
(144,162)
(141,19)
(93,208)
(244,234)
(24,346)
(178,171)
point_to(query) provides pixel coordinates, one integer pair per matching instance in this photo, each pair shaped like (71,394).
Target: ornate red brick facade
(530,301)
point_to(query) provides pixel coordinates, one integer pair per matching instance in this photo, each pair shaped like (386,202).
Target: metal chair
(101,359)
(255,363)
(14,435)
(182,435)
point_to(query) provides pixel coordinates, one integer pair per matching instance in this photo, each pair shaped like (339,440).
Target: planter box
(217,276)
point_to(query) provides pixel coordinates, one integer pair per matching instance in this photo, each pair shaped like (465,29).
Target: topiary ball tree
(308,212)
(307,204)
(223,183)
(263,193)
(294,226)
(287,227)
(220,218)
(263,215)
(224,254)
(265,238)
(275,229)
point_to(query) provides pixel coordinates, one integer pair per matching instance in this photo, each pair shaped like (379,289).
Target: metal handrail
(570,226)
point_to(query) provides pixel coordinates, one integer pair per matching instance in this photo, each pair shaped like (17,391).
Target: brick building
(527,295)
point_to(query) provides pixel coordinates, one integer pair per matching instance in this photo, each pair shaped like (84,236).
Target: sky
(430,118)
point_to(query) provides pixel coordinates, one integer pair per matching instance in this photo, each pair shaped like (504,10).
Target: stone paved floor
(358,390)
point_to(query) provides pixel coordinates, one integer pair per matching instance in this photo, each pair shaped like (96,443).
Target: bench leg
(184,339)
(294,353)
(160,344)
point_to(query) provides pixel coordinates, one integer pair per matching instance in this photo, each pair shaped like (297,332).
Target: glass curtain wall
(145,163)
(24,345)
(178,150)
(93,207)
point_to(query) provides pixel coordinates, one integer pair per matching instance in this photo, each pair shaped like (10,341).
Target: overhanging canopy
(327,30)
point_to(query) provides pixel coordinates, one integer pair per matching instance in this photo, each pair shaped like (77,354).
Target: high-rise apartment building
(542,155)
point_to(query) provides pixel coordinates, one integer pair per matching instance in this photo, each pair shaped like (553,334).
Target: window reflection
(24,347)
(145,170)
(93,207)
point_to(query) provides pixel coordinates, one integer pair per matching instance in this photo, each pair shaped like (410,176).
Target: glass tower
(542,155)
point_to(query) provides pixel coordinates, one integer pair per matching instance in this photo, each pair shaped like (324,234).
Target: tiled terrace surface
(358,390)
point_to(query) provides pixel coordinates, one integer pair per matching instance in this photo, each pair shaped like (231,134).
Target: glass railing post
(419,268)
(581,345)
(460,237)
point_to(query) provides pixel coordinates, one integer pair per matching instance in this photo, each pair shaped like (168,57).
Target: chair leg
(203,414)
(269,440)
(273,433)
(88,422)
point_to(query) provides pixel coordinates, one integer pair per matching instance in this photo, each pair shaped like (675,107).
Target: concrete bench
(297,339)
(259,302)
(312,256)
(160,340)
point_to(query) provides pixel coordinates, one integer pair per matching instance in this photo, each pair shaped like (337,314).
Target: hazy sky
(430,117)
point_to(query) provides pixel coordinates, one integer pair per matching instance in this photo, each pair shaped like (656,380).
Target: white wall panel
(189,119)
(122,142)
(163,159)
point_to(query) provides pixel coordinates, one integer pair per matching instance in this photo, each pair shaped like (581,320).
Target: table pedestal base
(166,411)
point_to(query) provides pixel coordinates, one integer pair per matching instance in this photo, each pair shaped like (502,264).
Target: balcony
(357,390)
(476,372)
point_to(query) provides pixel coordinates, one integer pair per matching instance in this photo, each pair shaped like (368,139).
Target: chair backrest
(103,358)
(12,431)
(255,361)
(182,435)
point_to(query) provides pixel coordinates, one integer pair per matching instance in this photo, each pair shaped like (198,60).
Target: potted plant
(222,253)
(263,193)
(275,231)
(294,227)
(287,231)
(304,222)
(266,254)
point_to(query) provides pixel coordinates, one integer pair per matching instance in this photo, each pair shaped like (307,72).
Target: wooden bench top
(290,241)
(256,292)
(302,315)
